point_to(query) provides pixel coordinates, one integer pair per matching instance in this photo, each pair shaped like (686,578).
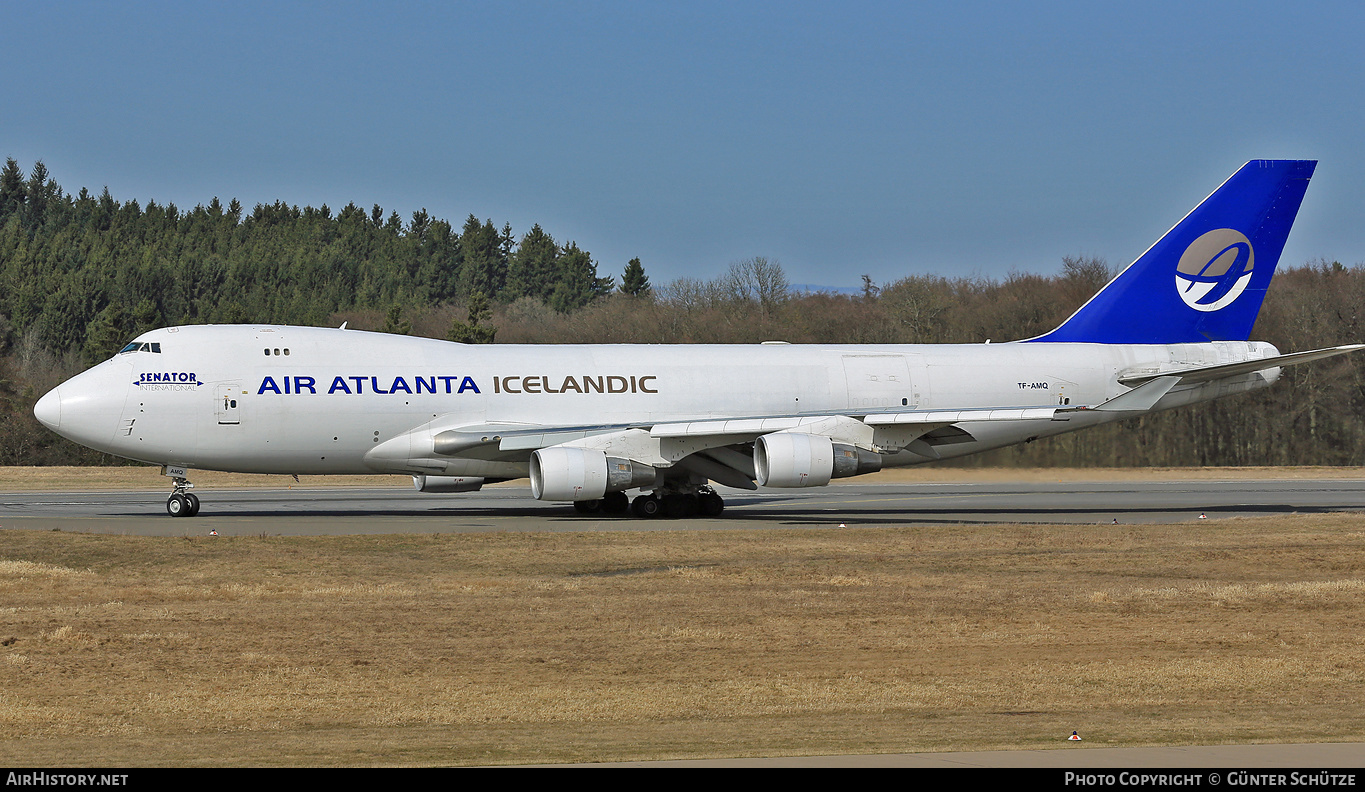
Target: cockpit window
(142,346)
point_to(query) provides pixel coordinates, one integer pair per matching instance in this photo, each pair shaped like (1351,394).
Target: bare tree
(758,279)
(1082,277)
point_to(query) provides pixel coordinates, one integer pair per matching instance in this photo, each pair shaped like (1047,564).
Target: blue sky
(839,138)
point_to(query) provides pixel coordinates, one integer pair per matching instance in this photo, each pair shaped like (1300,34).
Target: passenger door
(227,410)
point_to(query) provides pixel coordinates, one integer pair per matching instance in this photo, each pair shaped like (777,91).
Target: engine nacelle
(791,459)
(447,483)
(559,473)
(788,459)
(568,474)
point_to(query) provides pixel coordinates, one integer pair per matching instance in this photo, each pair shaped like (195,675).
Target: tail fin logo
(1214,270)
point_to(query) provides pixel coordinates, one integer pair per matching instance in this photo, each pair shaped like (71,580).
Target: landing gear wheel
(678,505)
(182,502)
(587,506)
(710,504)
(615,503)
(645,506)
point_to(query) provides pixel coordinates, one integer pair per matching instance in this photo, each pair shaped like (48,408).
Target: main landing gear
(182,502)
(611,503)
(701,501)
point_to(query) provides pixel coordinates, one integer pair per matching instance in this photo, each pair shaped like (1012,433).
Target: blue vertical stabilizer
(1206,278)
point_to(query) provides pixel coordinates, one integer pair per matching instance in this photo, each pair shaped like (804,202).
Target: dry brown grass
(533,647)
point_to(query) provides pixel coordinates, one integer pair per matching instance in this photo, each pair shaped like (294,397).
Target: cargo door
(879,382)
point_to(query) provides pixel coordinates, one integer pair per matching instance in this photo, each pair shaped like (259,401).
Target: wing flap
(735,426)
(958,416)
(531,441)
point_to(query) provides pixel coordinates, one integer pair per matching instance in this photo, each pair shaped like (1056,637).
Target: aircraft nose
(87,407)
(48,410)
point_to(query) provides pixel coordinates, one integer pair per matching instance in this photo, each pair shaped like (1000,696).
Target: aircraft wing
(482,440)
(665,444)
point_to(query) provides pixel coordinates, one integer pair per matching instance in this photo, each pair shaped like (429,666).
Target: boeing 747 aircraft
(588,424)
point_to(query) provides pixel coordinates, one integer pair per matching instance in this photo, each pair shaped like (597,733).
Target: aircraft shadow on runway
(774,513)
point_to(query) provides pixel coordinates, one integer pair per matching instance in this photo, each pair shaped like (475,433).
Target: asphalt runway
(344,510)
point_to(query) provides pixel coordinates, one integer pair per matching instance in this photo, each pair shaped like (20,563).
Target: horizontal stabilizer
(1143,397)
(1207,373)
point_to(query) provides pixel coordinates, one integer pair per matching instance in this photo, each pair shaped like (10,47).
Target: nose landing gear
(182,502)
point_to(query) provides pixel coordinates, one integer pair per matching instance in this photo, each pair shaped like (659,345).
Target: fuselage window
(267,353)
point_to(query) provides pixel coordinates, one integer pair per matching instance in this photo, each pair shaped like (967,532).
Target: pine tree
(395,323)
(11,189)
(578,282)
(474,331)
(634,281)
(483,267)
(107,334)
(40,191)
(534,269)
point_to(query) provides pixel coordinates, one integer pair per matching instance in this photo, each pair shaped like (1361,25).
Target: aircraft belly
(986,436)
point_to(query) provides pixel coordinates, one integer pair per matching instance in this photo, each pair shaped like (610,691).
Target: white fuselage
(317,401)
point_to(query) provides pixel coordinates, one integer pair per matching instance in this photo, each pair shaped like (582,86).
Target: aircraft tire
(587,506)
(615,503)
(676,506)
(645,506)
(711,504)
(193,502)
(177,506)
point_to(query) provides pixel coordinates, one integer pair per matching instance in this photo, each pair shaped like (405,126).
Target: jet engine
(559,473)
(447,483)
(791,459)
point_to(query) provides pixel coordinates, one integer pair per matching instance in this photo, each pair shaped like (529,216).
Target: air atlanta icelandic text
(354,385)
(454,384)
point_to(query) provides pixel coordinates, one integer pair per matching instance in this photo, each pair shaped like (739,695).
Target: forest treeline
(82,274)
